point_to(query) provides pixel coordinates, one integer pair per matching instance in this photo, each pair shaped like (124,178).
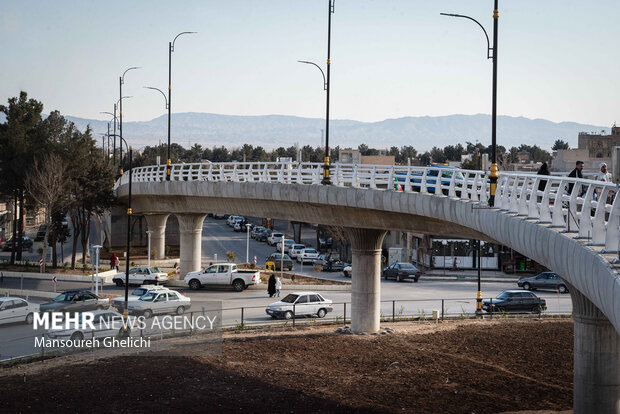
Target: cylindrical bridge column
(190,230)
(365,278)
(157,224)
(596,374)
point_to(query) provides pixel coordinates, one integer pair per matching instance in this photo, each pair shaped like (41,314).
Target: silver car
(160,302)
(300,303)
(17,310)
(105,323)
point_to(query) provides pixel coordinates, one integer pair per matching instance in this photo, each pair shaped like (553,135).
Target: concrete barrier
(27,293)
(104,276)
(263,286)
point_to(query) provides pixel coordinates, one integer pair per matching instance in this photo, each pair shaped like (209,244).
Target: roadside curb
(464,278)
(27,293)
(263,286)
(103,276)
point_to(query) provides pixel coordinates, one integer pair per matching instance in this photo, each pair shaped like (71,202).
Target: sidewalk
(472,274)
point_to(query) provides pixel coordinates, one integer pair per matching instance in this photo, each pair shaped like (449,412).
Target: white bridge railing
(586,207)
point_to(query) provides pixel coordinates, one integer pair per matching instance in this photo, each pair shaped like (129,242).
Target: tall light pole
(121,82)
(491,54)
(170,50)
(247,244)
(167,106)
(444,243)
(479,296)
(148,253)
(331,3)
(126,310)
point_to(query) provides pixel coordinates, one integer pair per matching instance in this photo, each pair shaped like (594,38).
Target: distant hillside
(271,131)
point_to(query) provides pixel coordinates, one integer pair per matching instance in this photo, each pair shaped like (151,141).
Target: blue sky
(558,59)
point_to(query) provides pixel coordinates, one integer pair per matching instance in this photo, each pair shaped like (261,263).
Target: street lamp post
(96,248)
(148,253)
(479,296)
(247,244)
(170,50)
(491,54)
(126,310)
(121,82)
(331,3)
(444,243)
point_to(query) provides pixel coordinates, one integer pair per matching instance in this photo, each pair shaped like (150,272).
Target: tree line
(48,163)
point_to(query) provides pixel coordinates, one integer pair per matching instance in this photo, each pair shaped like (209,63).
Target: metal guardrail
(587,207)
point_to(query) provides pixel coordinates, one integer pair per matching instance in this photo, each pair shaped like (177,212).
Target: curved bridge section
(569,225)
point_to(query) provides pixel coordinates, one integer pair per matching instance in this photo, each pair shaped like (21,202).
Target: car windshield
(504,295)
(276,235)
(407,266)
(290,298)
(309,251)
(148,297)
(65,297)
(155,270)
(139,292)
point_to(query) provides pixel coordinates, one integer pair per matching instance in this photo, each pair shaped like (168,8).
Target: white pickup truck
(222,274)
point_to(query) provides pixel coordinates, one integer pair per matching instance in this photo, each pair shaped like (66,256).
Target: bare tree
(46,184)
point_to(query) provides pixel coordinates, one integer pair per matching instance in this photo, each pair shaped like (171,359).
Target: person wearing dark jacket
(271,286)
(544,170)
(576,173)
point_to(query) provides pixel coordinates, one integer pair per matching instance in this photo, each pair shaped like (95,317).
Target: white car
(307,255)
(160,302)
(347,271)
(119,302)
(16,310)
(106,323)
(141,275)
(300,303)
(295,249)
(233,219)
(274,238)
(288,243)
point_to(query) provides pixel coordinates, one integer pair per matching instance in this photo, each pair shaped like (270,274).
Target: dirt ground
(451,367)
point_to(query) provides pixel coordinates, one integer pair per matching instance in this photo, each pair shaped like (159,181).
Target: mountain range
(272,131)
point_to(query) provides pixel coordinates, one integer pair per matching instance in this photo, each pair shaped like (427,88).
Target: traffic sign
(41,262)
(254,259)
(54,279)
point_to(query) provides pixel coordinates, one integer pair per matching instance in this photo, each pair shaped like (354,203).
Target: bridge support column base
(190,231)
(157,224)
(365,279)
(596,376)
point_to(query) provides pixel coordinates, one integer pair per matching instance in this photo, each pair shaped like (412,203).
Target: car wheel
(122,333)
(194,284)
(527,286)
(274,317)
(321,313)
(398,279)
(77,336)
(562,289)
(415,279)
(119,282)
(180,310)
(288,315)
(99,307)
(346,274)
(238,285)
(536,309)
(29,318)
(148,314)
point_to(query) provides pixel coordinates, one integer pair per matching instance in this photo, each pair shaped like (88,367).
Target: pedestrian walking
(114,262)
(543,170)
(330,261)
(576,173)
(603,175)
(271,285)
(278,285)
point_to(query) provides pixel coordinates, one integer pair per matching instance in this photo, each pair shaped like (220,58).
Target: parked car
(274,238)
(295,249)
(75,301)
(222,274)
(337,264)
(347,271)
(515,301)
(401,271)
(545,280)
(233,219)
(288,243)
(105,323)
(141,275)
(160,302)
(119,302)
(280,262)
(26,244)
(307,255)
(219,216)
(255,230)
(300,304)
(238,226)
(17,310)
(41,233)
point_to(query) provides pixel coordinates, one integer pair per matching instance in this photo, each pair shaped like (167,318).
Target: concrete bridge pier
(596,376)
(190,230)
(157,224)
(366,278)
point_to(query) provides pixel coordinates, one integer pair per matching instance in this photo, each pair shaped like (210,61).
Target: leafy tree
(560,145)
(437,155)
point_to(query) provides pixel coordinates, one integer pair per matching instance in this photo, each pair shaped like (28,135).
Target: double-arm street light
(126,311)
(114,141)
(169,101)
(121,82)
(331,3)
(491,54)
(115,135)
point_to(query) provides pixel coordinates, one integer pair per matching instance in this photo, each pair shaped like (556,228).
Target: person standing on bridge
(576,173)
(271,285)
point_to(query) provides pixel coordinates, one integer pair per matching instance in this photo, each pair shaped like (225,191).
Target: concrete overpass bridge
(572,227)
